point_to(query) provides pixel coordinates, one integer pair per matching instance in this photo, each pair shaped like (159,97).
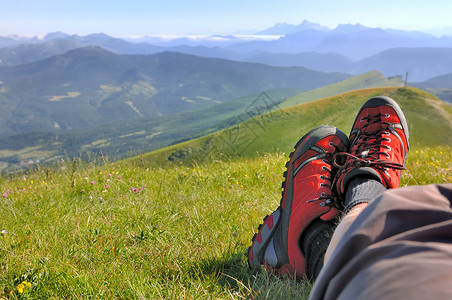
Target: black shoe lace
(329,199)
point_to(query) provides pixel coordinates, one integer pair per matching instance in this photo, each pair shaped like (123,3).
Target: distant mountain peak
(98,37)
(55,35)
(284,28)
(89,48)
(347,28)
(309,25)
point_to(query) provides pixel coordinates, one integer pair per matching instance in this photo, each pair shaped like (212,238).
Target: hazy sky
(180,17)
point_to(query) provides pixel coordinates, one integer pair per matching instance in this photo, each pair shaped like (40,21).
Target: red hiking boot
(379,145)
(306,197)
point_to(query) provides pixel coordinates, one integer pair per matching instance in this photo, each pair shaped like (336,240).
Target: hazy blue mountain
(325,62)
(301,41)
(55,35)
(112,44)
(203,51)
(31,52)
(354,41)
(12,40)
(59,43)
(193,41)
(440,86)
(284,28)
(349,28)
(90,86)
(413,34)
(363,43)
(7,41)
(445,41)
(443,81)
(420,63)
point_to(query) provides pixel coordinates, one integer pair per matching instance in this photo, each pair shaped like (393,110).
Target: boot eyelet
(362,119)
(388,155)
(387,115)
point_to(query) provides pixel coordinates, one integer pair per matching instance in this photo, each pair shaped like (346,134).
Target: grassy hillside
(429,121)
(371,79)
(177,232)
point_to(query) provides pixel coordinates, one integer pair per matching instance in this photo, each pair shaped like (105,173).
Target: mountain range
(284,28)
(351,49)
(419,63)
(354,41)
(91,86)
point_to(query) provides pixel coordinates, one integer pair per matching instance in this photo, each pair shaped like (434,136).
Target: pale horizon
(207,17)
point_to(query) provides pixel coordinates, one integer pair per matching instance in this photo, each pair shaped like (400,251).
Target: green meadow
(175,223)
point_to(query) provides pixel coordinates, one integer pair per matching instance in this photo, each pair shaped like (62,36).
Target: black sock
(317,236)
(314,243)
(362,190)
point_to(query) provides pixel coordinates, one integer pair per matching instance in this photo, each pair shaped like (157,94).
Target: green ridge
(371,79)
(429,122)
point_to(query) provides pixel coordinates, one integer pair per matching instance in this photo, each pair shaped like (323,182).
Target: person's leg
(307,209)
(398,247)
(360,192)
(342,228)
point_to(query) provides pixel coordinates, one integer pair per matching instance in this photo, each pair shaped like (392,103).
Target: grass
(118,232)
(179,230)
